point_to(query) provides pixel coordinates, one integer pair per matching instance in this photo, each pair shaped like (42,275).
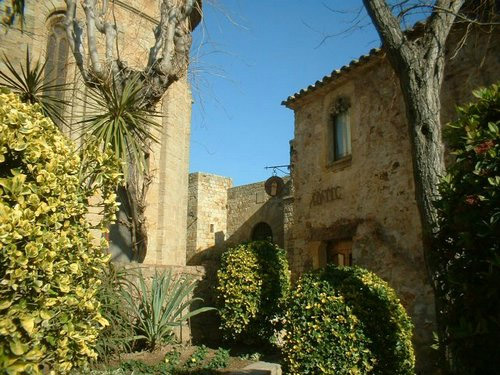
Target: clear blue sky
(254,54)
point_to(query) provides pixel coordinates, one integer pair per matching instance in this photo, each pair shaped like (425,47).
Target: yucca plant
(119,119)
(28,81)
(158,308)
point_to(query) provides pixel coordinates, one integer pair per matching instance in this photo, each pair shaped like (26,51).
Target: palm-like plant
(120,120)
(28,81)
(157,309)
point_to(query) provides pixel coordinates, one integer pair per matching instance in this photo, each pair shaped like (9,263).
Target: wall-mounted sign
(326,195)
(274,185)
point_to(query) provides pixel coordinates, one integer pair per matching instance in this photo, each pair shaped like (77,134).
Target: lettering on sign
(326,195)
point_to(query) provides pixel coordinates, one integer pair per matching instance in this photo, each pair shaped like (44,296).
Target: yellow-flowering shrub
(321,334)
(346,321)
(49,260)
(253,281)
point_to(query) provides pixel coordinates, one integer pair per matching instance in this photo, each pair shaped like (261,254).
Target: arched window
(56,67)
(262,231)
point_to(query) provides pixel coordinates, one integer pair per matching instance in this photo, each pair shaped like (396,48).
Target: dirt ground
(152,358)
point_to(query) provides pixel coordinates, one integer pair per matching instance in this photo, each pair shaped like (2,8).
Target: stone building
(221,216)
(45,37)
(354,199)
(351,196)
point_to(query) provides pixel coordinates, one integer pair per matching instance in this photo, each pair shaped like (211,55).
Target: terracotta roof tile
(333,75)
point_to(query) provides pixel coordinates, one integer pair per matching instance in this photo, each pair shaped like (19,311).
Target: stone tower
(44,35)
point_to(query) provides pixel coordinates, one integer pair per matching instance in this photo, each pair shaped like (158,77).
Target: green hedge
(321,334)
(352,309)
(49,261)
(252,282)
(468,248)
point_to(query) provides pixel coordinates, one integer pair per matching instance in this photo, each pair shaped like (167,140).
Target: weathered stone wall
(167,197)
(249,205)
(370,198)
(207,213)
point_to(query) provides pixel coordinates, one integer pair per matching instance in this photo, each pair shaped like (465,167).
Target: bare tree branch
(389,28)
(75,38)
(89,9)
(160,32)
(109,31)
(168,42)
(440,22)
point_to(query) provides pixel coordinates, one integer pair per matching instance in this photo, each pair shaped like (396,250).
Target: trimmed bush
(252,282)
(384,319)
(468,249)
(321,334)
(50,262)
(351,308)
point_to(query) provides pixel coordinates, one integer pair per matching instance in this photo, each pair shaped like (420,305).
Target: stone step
(258,368)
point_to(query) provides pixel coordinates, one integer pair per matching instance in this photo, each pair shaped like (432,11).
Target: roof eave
(334,75)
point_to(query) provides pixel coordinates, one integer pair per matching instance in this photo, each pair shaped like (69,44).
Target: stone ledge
(258,368)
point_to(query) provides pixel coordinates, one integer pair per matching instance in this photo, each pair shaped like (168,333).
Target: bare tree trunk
(418,61)
(421,92)
(137,221)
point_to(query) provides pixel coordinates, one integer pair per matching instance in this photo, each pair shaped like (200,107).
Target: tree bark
(418,61)
(419,64)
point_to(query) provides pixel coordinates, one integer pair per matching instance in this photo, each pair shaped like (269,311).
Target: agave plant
(121,121)
(159,308)
(28,81)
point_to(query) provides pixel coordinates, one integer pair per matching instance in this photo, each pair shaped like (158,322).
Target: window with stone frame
(56,67)
(340,139)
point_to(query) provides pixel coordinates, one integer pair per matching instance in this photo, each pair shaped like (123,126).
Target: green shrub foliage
(49,260)
(468,248)
(384,319)
(252,282)
(346,320)
(321,334)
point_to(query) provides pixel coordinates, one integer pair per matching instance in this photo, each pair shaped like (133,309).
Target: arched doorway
(262,231)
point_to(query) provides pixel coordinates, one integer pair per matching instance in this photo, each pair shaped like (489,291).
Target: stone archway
(262,231)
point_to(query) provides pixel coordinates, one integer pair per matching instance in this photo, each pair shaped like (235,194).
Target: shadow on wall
(205,327)
(120,239)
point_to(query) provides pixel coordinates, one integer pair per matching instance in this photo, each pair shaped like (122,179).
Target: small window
(339,132)
(341,136)
(339,253)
